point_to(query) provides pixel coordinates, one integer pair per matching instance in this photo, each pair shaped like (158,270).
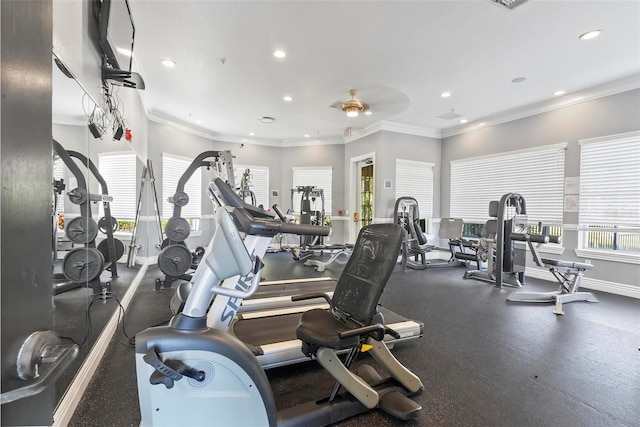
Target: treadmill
(270,332)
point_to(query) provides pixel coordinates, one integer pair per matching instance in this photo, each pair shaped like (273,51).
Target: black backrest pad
(364,277)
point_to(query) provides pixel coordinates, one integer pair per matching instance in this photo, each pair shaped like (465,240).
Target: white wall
(603,116)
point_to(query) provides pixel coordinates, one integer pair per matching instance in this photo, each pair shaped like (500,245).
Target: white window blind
(258,182)
(172,169)
(319,177)
(119,172)
(415,179)
(58,173)
(537,174)
(610,180)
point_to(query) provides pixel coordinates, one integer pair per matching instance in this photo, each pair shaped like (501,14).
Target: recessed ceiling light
(169,63)
(198,121)
(306,135)
(590,35)
(519,80)
(267,119)
(252,134)
(279,54)
(445,94)
(463,121)
(288,98)
(368,113)
(558,93)
(481,124)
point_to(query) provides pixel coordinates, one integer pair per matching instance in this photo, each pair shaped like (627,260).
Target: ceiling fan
(352,107)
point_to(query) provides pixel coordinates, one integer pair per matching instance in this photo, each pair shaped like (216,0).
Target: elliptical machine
(189,374)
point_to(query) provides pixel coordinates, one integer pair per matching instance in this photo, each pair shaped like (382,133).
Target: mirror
(83,307)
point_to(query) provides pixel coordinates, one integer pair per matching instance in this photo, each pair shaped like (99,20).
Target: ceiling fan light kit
(353,107)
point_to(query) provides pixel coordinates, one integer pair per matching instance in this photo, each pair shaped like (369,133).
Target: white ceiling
(399,55)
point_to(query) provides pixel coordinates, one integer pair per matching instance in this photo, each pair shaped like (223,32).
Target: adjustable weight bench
(568,274)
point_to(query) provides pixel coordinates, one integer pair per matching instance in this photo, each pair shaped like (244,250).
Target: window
(319,177)
(537,174)
(609,203)
(172,169)
(415,179)
(258,182)
(58,173)
(119,172)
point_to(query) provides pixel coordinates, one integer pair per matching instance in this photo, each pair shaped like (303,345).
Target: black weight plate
(174,260)
(167,242)
(78,196)
(81,230)
(102,224)
(177,229)
(81,265)
(104,249)
(180,198)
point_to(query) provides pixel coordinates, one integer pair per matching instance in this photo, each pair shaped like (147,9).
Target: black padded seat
(323,329)
(355,299)
(567,264)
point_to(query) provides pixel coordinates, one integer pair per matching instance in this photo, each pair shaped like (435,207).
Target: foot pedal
(369,375)
(398,405)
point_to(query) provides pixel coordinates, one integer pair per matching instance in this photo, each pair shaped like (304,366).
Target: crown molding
(394,127)
(623,84)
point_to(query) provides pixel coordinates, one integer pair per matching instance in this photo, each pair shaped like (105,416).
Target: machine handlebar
(270,227)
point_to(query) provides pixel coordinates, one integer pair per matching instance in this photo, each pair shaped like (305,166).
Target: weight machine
(83,266)
(309,215)
(506,262)
(175,259)
(245,188)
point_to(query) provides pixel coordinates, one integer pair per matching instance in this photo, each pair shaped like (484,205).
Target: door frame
(354,190)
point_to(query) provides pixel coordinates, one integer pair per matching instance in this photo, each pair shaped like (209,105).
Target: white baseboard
(71,399)
(589,283)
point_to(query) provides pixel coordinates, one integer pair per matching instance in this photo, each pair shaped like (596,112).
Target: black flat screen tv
(117,32)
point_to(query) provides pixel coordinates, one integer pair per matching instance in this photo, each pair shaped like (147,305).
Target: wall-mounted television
(117,33)
(116,39)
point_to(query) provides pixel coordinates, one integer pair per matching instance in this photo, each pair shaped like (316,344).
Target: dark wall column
(25,234)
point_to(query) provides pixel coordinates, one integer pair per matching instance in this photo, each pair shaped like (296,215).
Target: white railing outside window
(609,203)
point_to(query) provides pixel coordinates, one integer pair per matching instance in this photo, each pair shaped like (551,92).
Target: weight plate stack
(81,265)
(104,249)
(177,229)
(174,260)
(81,230)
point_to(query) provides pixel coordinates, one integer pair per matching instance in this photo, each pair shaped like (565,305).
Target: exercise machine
(267,324)
(82,266)
(245,188)
(567,273)
(310,214)
(406,214)
(175,258)
(506,262)
(190,374)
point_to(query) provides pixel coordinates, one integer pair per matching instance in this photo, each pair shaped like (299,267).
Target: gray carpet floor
(484,361)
